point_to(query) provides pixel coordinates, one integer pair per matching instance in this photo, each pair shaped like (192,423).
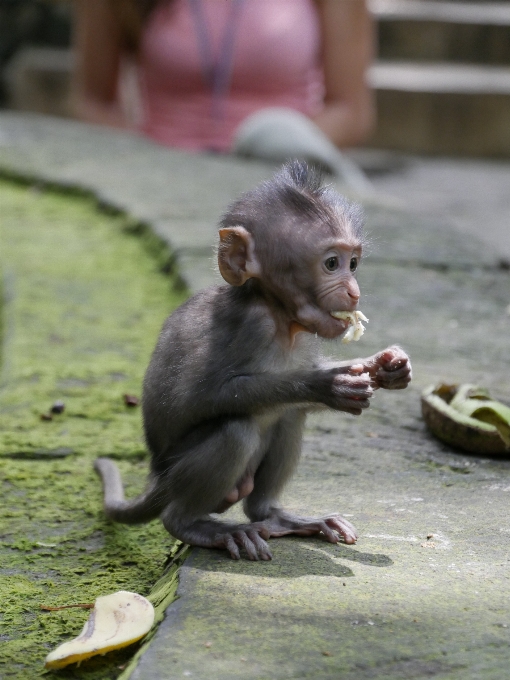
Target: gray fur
(226,393)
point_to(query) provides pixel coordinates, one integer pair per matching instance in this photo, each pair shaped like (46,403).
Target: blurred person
(267,78)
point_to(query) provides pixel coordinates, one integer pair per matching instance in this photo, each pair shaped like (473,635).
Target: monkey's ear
(236,256)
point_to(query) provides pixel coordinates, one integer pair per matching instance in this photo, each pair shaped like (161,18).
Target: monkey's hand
(390,369)
(347,389)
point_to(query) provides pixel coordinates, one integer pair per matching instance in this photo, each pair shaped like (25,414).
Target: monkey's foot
(208,532)
(332,526)
(247,536)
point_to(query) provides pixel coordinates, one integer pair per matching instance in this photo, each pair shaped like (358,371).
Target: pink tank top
(275,62)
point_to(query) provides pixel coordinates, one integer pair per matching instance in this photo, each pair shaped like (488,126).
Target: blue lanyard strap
(216,73)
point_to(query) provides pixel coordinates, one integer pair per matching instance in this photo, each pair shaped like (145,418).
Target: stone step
(428,30)
(39,79)
(442,108)
(440,77)
(490,13)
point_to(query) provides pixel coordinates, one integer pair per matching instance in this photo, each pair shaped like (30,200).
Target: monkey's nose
(353,291)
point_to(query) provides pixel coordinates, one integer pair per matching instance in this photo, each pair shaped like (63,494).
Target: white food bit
(116,621)
(349,334)
(356,328)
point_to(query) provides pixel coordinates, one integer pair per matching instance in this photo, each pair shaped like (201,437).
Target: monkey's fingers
(354,384)
(330,535)
(343,527)
(392,351)
(396,364)
(348,369)
(254,546)
(394,379)
(399,385)
(396,373)
(330,526)
(245,542)
(356,397)
(352,404)
(392,358)
(261,528)
(354,410)
(231,546)
(352,394)
(260,544)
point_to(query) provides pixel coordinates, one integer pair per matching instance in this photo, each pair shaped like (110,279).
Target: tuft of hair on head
(295,191)
(307,178)
(300,186)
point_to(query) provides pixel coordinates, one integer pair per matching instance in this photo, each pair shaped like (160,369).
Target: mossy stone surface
(83,304)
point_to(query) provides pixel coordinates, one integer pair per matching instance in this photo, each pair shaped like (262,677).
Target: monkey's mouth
(343,321)
(355,328)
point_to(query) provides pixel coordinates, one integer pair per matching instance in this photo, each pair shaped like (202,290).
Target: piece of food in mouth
(356,328)
(116,621)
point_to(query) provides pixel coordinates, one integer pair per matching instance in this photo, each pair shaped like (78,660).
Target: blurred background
(441,76)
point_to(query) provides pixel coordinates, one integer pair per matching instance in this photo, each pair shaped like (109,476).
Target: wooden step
(442,108)
(39,79)
(429,30)
(486,13)
(440,77)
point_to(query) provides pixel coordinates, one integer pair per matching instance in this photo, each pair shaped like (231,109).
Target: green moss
(83,304)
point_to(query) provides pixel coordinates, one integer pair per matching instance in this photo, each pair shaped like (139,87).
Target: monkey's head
(300,244)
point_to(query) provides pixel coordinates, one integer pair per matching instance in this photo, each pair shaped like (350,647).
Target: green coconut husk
(465,417)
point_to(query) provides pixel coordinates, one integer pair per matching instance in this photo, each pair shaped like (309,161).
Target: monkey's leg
(203,478)
(276,468)
(283,451)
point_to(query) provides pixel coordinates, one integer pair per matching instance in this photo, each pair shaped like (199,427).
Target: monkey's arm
(336,387)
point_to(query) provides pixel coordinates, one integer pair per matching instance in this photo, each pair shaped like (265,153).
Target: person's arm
(348,44)
(98,44)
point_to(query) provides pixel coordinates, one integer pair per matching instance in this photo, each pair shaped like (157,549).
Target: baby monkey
(237,367)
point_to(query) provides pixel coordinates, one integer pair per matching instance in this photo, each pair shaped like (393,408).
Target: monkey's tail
(143,508)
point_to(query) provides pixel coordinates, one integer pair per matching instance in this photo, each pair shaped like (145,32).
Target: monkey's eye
(331,264)
(353,264)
